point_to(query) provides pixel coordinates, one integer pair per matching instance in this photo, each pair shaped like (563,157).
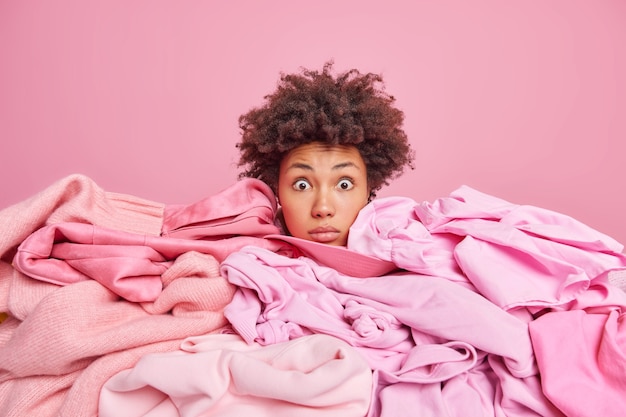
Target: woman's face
(321,189)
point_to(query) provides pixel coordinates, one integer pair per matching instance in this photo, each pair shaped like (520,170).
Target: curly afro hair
(311,106)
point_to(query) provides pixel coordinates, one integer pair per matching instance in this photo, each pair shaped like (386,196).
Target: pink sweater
(61,343)
(131,264)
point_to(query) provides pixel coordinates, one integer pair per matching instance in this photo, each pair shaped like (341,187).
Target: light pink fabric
(75,198)
(517,256)
(60,344)
(71,339)
(522,258)
(130,264)
(221,375)
(581,352)
(523,262)
(388,228)
(415,330)
(450,337)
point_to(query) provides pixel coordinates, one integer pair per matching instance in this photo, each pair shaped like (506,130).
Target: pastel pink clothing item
(346,261)
(517,256)
(416,331)
(486,389)
(221,375)
(523,262)
(447,336)
(388,228)
(128,264)
(315,298)
(582,358)
(72,339)
(585,341)
(520,257)
(275,304)
(247,208)
(75,198)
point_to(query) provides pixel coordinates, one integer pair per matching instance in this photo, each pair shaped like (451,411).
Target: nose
(323,205)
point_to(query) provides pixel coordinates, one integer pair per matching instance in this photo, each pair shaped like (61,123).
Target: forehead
(323,154)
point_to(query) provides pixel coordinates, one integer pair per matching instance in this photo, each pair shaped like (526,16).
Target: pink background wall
(522,99)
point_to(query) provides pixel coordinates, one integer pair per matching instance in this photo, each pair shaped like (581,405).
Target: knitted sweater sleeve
(75,198)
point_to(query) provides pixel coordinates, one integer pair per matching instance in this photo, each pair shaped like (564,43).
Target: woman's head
(324,144)
(321,189)
(312,106)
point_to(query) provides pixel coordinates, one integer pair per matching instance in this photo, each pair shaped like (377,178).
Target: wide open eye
(345,184)
(301,185)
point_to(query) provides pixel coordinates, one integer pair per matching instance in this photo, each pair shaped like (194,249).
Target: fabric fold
(82,334)
(221,375)
(128,264)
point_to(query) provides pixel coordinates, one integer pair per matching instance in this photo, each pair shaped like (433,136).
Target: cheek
(293,212)
(357,202)
(356,209)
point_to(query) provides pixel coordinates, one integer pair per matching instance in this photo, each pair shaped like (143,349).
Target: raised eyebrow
(301,166)
(307,167)
(346,165)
